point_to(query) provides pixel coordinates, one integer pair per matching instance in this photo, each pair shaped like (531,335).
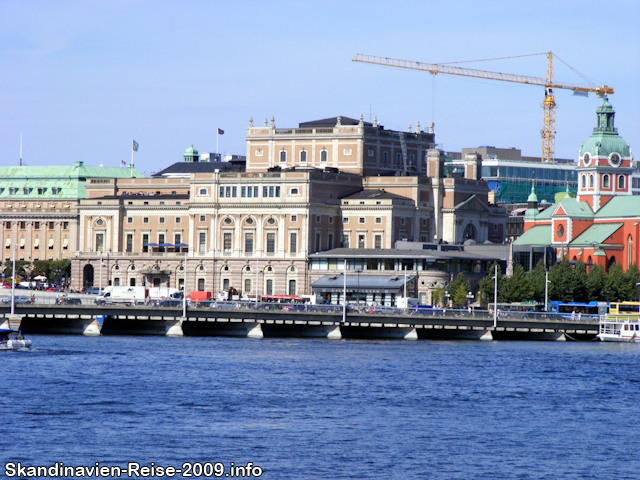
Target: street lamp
(546,291)
(446,295)
(495,297)
(469,297)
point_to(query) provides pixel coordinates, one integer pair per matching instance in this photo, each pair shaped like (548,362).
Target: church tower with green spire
(605,162)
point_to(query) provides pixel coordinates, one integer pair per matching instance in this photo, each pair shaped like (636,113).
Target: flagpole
(131,166)
(217,137)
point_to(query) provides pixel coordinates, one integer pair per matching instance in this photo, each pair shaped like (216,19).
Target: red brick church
(601,224)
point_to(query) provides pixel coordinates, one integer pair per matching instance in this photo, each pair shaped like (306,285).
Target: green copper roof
(605,139)
(597,233)
(532,196)
(573,208)
(620,206)
(190,151)
(538,236)
(77,171)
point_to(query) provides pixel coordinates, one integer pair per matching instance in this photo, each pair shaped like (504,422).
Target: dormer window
(26,190)
(41,190)
(55,190)
(12,190)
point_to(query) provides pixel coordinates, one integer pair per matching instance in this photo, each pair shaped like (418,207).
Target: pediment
(472,204)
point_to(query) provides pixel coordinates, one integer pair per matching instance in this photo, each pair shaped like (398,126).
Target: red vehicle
(199,296)
(53,289)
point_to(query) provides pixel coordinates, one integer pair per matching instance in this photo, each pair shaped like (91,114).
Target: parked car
(68,301)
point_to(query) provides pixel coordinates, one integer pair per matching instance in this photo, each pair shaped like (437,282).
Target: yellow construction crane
(549,104)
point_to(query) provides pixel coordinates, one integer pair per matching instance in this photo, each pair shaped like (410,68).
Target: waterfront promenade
(244,319)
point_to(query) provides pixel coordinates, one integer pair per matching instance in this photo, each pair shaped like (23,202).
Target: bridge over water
(267,320)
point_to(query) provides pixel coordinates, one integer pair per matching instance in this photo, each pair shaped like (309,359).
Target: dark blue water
(315,409)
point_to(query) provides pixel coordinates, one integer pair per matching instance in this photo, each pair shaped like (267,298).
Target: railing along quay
(283,320)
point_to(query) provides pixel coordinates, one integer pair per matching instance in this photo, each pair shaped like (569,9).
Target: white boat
(620,328)
(12,340)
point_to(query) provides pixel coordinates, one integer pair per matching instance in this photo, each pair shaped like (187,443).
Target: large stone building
(39,211)
(336,183)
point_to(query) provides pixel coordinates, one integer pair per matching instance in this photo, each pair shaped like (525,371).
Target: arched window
(605,181)
(303,156)
(629,251)
(283,156)
(323,156)
(583,181)
(621,182)
(591,181)
(469,232)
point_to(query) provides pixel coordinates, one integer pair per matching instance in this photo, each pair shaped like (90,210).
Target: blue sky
(81,79)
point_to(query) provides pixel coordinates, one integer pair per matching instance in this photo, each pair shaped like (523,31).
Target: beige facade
(314,188)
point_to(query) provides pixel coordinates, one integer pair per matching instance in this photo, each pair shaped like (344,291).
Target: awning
(51,242)
(361,283)
(36,242)
(7,242)
(65,242)
(22,241)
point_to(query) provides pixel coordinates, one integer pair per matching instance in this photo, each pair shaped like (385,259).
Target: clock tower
(604,163)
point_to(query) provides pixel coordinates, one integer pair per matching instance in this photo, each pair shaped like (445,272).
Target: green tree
(41,268)
(437,296)
(561,277)
(486,285)
(20,269)
(615,283)
(580,289)
(595,283)
(631,284)
(458,289)
(517,288)
(536,279)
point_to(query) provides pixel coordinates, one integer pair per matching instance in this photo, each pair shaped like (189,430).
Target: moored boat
(620,328)
(13,340)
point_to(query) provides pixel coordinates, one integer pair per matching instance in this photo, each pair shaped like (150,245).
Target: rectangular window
(221,191)
(247,285)
(378,219)
(293,243)
(36,225)
(256,190)
(318,239)
(292,287)
(277,191)
(318,218)
(23,225)
(378,241)
(226,242)
(225,284)
(129,219)
(145,241)
(99,242)
(345,219)
(228,192)
(116,282)
(330,241)
(243,192)
(132,282)
(265,191)
(402,221)
(250,192)
(178,219)
(145,220)
(234,192)
(7,224)
(269,287)
(271,242)
(161,219)
(177,238)
(330,220)
(294,218)
(161,242)
(248,243)
(361,241)
(203,218)
(51,225)
(201,284)
(271,192)
(361,220)
(129,242)
(202,242)
(345,240)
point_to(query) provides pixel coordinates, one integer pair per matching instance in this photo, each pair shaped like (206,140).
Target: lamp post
(184,286)
(13,283)
(495,297)
(446,296)
(469,297)
(546,291)
(257,280)
(100,284)
(344,293)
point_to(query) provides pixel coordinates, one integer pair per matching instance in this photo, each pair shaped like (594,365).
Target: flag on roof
(220,131)
(122,162)
(135,146)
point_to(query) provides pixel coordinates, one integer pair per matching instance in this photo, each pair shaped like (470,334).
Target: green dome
(605,139)
(532,196)
(190,151)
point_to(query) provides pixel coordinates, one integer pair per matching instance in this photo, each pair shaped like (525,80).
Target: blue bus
(574,308)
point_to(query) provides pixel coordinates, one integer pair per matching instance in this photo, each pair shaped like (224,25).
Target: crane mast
(549,105)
